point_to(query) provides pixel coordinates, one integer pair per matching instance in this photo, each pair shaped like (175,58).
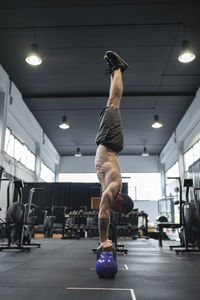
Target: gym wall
(15,114)
(194,173)
(185,135)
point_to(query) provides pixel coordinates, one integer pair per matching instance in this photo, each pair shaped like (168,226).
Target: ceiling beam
(93,26)
(105,94)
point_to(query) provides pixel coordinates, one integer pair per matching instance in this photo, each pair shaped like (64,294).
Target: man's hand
(106,244)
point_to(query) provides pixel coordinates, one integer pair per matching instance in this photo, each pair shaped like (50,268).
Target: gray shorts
(110,129)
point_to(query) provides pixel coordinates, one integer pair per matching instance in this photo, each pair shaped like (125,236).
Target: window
(141,186)
(192,155)
(188,158)
(173,171)
(24,154)
(46,174)
(10,148)
(19,151)
(196,151)
(32,161)
(7,137)
(172,184)
(78,177)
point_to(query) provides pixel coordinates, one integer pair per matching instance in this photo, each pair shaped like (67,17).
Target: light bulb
(64,124)
(33,60)
(186,57)
(157,123)
(33,57)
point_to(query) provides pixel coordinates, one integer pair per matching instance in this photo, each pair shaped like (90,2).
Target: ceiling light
(186,54)
(145,152)
(156,123)
(64,124)
(33,57)
(78,152)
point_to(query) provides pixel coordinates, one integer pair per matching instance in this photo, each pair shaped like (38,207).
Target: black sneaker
(115,62)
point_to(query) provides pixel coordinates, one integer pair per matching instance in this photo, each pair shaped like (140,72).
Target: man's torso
(107,166)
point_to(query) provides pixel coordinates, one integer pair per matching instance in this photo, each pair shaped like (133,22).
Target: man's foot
(114,62)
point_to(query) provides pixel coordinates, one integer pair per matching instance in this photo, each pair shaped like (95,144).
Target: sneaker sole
(111,54)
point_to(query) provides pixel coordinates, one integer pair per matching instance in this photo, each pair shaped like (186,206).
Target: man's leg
(116,89)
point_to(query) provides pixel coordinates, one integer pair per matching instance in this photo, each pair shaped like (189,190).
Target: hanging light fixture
(64,124)
(145,152)
(156,124)
(33,58)
(186,54)
(78,152)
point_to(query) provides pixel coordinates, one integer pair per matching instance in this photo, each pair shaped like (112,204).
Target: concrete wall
(183,137)
(4,80)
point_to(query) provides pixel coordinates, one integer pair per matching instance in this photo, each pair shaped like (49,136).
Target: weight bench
(162,225)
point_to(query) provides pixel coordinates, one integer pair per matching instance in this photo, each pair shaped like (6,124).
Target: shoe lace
(109,70)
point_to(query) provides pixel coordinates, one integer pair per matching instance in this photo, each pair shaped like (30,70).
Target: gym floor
(64,269)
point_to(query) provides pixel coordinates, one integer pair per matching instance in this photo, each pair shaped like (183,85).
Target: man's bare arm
(104,210)
(104,215)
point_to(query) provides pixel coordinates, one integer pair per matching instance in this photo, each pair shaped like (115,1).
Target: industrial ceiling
(73,36)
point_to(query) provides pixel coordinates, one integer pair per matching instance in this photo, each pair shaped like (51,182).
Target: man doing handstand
(110,142)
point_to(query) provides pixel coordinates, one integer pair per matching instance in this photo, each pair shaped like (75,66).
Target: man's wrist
(103,224)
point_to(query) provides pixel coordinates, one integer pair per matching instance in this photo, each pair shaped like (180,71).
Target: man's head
(122,203)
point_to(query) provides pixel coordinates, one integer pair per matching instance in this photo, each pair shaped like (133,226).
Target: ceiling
(73,37)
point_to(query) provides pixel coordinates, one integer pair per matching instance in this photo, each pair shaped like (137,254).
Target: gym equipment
(162,225)
(189,225)
(143,231)
(1,173)
(58,223)
(42,230)
(53,222)
(114,221)
(166,206)
(72,232)
(82,223)
(128,224)
(190,231)
(106,265)
(18,226)
(152,233)
(2,230)
(47,224)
